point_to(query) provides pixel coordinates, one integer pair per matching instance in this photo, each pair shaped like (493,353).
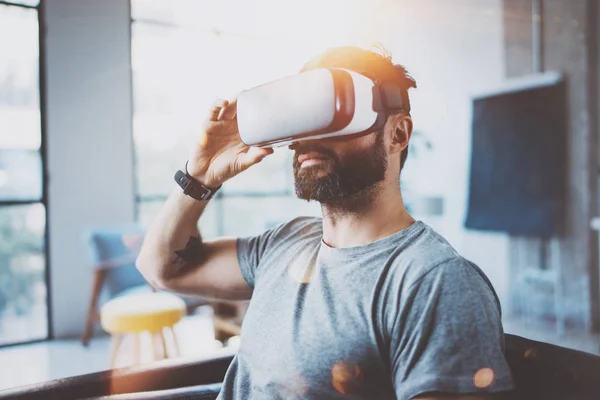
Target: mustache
(308,147)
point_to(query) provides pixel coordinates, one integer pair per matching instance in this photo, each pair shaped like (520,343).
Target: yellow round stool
(138,313)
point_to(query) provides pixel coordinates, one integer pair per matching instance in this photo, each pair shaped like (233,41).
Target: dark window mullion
(7,3)
(43,154)
(21,202)
(223,195)
(155,22)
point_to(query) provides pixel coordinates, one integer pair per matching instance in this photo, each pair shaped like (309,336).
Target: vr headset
(325,103)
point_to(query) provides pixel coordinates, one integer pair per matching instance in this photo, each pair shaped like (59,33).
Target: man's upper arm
(229,266)
(447,337)
(217,277)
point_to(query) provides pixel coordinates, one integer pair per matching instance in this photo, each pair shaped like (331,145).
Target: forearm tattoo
(191,254)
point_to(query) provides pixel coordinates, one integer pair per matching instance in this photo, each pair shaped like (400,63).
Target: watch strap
(194,188)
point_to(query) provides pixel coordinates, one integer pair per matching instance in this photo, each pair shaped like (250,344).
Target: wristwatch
(192,187)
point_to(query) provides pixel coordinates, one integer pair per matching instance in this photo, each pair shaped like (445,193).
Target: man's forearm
(173,243)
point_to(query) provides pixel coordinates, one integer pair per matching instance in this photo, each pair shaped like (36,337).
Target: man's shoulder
(300,225)
(428,255)
(305,222)
(297,229)
(432,260)
(424,253)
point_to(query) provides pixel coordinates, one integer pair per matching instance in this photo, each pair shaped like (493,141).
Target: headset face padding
(317,104)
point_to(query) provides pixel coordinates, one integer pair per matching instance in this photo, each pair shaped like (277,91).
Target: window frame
(43,157)
(10,3)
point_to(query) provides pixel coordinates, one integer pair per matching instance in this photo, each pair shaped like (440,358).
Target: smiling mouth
(312,158)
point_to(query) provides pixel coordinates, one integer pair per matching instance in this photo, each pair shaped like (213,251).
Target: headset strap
(390,98)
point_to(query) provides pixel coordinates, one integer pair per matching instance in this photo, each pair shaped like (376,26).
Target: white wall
(90,154)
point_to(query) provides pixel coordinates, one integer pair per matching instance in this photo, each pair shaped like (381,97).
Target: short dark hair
(376,64)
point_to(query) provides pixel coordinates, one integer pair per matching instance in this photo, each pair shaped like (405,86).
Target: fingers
(229,112)
(222,110)
(217,107)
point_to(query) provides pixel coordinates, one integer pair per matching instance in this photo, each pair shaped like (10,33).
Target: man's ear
(403,130)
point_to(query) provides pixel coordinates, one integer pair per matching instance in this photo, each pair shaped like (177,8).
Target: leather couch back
(547,372)
(542,372)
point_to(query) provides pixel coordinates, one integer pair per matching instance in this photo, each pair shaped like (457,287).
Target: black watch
(192,187)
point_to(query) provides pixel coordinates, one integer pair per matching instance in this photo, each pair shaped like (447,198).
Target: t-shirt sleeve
(252,249)
(447,335)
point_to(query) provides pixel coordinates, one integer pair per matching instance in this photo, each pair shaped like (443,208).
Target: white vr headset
(322,103)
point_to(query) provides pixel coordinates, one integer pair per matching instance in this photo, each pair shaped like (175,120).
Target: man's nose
(311,144)
(294,146)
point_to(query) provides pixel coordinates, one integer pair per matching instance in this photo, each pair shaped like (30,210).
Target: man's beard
(351,182)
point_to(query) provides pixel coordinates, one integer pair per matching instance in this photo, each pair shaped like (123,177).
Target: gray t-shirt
(395,318)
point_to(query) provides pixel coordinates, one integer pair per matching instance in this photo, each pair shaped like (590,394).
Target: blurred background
(101,101)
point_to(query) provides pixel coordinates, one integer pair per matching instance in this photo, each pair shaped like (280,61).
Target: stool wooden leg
(175,342)
(116,341)
(155,346)
(164,343)
(153,343)
(136,348)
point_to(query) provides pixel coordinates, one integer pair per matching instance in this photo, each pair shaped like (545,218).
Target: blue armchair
(113,253)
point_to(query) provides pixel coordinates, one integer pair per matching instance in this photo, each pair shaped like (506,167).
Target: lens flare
(530,353)
(345,377)
(303,268)
(483,378)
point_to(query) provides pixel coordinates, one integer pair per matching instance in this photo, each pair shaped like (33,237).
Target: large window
(23,283)
(187,53)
